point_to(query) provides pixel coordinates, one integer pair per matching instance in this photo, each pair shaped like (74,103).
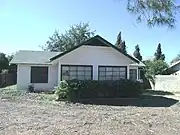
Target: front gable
(96,41)
(95,55)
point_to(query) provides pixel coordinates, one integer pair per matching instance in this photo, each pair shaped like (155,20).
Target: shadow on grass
(143,101)
(158,92)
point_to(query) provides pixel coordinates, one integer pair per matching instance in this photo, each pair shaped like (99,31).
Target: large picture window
(79,72)
(133,74)
(112,73)
(39,74)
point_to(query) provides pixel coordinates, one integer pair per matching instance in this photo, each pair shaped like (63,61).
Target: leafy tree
(72,37)
(10,57)
(154,12)
(137,53)
(177,58)
(4,63)
(153,68)
(13,67)
(158,54)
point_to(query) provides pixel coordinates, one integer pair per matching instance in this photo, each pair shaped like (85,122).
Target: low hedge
(76,89)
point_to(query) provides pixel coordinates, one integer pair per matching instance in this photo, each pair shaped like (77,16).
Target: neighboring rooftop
(33,57)
(140,64)
(174,64)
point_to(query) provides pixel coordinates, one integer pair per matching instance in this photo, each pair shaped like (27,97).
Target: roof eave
(137,65)
(29,63)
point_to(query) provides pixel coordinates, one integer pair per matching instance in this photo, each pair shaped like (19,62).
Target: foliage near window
(155,67)
(39,74)
(75,90)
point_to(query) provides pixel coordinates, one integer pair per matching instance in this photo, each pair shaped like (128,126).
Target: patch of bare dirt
(28,117)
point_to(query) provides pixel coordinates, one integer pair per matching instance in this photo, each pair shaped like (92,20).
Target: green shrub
(75,89)
(62,90)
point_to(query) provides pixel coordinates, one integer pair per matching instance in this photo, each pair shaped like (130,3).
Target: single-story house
(94,59)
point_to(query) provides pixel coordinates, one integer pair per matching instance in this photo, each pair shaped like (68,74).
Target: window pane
(109,73)
(141,74)
(122,69)
(80,73)
(87,77)
(65,72)
(102,69)
(122,73)
(109,69)
(87,73)
(65,77)
(116,69)
(73,68)
(73,73)
(65,68)
(115,73)
(133,74)
(108,77)
(112,73)
(39,74)
(76,72)
(102,73)
(122,77)
(102,78)
(72,77)
(80,68)
(88,68)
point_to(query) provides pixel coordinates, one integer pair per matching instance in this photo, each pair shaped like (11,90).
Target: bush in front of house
(79,89)
(62,90)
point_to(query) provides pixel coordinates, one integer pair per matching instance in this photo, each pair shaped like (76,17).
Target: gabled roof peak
(95,41)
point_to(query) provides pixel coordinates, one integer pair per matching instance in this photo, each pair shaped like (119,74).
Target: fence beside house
(7,79)
(170,83)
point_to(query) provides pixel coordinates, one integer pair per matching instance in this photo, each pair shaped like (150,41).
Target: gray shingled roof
(33,57)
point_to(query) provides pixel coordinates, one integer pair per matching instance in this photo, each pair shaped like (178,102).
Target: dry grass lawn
(28,115)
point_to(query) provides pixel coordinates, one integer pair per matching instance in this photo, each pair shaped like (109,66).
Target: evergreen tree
(158,54)
(119,40)
(123,47)
(120,43)
(137,53)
